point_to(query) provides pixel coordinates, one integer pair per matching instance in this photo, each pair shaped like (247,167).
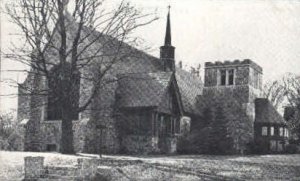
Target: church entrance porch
(168,127)
(148,131)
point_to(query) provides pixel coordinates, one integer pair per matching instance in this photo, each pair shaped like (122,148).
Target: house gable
(171,102)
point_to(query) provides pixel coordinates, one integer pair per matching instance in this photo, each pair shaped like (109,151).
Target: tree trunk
(67,146)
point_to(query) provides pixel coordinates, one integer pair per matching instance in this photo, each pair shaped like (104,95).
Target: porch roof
(266,113)
(142,89)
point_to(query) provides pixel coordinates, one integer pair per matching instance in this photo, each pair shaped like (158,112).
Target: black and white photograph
(149,90)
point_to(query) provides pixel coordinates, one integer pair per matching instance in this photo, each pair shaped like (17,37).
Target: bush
(291,149)
(196,142)
(101,177)
(10,137)
(184,145)
(258,147)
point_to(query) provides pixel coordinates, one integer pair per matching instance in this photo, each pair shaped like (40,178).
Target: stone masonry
(236,97)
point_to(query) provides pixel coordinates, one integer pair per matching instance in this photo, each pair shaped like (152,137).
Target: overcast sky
(268,32)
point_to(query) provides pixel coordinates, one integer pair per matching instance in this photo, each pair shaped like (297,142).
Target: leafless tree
(291,84)
(62,44)
(274,91)
(286,92)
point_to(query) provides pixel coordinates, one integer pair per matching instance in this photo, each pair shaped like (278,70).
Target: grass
(187,167)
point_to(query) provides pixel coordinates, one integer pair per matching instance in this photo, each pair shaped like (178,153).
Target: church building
(154,105)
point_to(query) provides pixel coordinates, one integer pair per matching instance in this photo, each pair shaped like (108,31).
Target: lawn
(188,167)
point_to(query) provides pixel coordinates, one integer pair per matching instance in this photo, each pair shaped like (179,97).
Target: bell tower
(167,52)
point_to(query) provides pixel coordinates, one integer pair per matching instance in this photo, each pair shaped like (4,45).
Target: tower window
(227,77)
(223,77)
(230,76)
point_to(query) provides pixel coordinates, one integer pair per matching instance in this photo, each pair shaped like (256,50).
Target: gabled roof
(142,89)
(266,113)
(190,87)
(141,63)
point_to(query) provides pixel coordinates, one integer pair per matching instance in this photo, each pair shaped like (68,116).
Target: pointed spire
(168,30)
(167,51)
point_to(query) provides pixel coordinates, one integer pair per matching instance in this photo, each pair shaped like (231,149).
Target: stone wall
(51,135)
(137,144)
(31,107)
(36,170)
(247,72)
(41,132)
(241,93)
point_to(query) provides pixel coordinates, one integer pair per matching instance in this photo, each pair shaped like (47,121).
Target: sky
(265,31)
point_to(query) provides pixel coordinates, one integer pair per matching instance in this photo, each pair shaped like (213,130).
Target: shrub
(184,145)
(196,142)
(258,147)
(101,177)
(10,136)
(291,149)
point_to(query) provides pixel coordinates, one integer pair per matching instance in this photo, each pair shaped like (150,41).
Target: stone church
(155,105)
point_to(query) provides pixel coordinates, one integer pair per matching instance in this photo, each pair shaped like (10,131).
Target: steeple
(168,38)
(167,52)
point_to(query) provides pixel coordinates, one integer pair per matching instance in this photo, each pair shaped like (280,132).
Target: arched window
(54,107)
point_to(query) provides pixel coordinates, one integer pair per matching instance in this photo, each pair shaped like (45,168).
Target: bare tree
(291,85)
(61,45)
(286,92)
(275,92)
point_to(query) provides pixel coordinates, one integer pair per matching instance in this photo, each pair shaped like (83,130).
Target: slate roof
(149,66)
(266,113)
(190,86)
(146,89)
(142,89)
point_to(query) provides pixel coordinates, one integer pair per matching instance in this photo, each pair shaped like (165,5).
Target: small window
(231,76)
(264,131)
(272,131)
(281,131)
(223,77)
(286,131)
